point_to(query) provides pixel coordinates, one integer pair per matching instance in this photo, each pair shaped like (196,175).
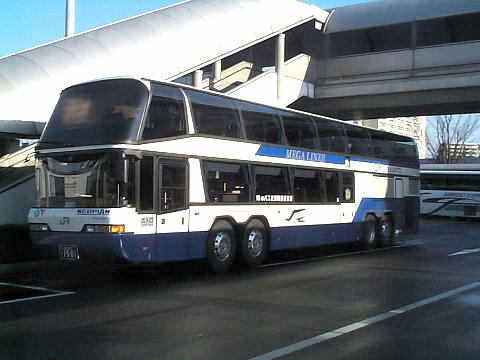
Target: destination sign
(93,211)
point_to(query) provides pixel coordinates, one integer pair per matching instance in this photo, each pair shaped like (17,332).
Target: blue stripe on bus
(313,156)
(304,155)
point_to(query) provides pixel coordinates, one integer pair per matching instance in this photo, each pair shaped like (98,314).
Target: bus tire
(221,246)
(385,231)
(369,233)
(254,243)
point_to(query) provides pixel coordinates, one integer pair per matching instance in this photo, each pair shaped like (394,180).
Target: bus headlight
(38,227)
(106,229)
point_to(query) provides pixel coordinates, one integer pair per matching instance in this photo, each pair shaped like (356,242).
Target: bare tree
(447,136)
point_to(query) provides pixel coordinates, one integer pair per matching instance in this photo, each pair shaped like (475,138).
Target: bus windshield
(85,180)
(102,112)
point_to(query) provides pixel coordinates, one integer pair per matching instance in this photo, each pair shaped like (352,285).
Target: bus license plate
(68,252)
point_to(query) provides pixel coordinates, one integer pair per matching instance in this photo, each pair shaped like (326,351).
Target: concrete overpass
(398,58)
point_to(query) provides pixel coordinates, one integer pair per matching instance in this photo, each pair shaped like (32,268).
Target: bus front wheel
(254,243)
(369,233)
(221,246)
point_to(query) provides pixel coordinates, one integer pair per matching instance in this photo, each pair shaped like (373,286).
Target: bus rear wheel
(253,246)
(221,246)
(369,233)
(385,232)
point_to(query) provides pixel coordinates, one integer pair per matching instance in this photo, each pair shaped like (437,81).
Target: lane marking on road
(52,292)
(361,324)
(399,246)
(466,251)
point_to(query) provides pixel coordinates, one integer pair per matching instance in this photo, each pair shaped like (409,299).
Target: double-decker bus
(146,171)
(450,190)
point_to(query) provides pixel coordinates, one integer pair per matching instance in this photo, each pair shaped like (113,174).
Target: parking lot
(417,300)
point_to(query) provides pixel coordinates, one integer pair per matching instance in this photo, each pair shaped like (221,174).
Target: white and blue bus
(147,172)
(450,190)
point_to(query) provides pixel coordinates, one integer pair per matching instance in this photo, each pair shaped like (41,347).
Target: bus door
(173,213)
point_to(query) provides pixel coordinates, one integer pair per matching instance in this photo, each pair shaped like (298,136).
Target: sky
(28,23)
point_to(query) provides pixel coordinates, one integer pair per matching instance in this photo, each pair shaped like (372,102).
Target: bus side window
(359,139)
(215,115)
(308,186)
(166,114)
(172,187)
(299,130)
(261,124)
(227,182)
(348,187)
(332,186)
(331,136)
(271,181)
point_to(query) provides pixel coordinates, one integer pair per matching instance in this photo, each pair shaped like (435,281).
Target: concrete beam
(415,103)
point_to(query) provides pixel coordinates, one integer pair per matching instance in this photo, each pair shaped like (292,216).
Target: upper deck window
(101,112)
(215,115)
(299,130)
(359,141)
(262,123)
(331,136)
(166,113)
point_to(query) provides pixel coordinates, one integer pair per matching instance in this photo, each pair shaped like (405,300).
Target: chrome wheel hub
(222,246)
(255,242)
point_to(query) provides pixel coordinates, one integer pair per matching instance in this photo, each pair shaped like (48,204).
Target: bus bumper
(96,247)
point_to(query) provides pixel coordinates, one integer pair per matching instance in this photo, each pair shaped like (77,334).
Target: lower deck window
(272,184)
(332,186)
(227,182)
(348,187)
(308,186)
(232,182)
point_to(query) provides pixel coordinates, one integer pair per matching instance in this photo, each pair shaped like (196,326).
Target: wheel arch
(370,213)
(228,218)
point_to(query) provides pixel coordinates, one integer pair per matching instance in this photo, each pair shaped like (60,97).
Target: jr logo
(65,220)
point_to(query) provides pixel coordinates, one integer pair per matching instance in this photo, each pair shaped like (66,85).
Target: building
(415,127)
(466,150)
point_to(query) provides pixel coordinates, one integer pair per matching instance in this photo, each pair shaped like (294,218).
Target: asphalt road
(420,300)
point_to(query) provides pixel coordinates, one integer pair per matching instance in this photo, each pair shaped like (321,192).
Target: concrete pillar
(217,70)
(279,63)
(70,18)
(198,78)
